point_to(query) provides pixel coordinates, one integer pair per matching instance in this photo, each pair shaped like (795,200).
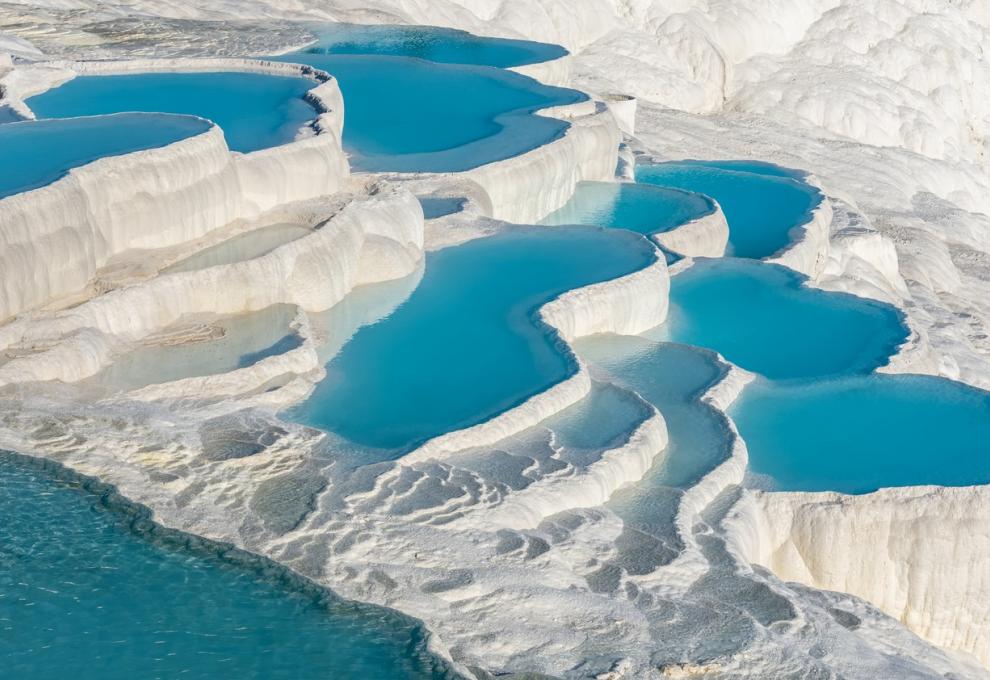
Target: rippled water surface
(90,589)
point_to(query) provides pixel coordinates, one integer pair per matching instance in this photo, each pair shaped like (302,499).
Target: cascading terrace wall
(55,238)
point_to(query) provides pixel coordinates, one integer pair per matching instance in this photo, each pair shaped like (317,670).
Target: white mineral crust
(497,536)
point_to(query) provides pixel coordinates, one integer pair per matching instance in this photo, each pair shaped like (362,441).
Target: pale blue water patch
(36,153)
(254,110)
(436,206)
(762,203)
(225,344)
(91,588)
(672,378)
(763,318)
(443,45)
(242,247)
(603,419)
(411,115)
(861,433)
(641,208)
(467,343)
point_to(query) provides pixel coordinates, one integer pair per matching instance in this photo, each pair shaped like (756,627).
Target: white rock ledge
(627,305)
(808,249)
(526,188)
(555,72)
(918,553)
(54,238)
(374,238)
(590,486)
(706,236)
(623,107)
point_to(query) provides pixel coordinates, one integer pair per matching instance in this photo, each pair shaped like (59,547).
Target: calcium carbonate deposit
(504,338)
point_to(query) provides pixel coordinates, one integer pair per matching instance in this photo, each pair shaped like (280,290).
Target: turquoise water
(466,344)
(36,153)
(242,247)
(410,115)
(823,422)
(90,588)
(861,433)
(754,167)
(637,207)
(761,317)
(8,115)
(441,45)
(236,341)
(255,111)
(762,203)
(434,207)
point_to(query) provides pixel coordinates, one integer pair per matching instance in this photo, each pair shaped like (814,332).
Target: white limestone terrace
(588,150)
(56,237)
(908,201)
(386,535)
(705,236)
(917,552)
(374,236)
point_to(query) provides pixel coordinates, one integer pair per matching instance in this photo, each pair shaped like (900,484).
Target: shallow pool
(672,378)
(602,420)
(89,587)
(761,317)
(36,153)
(440,206)
(858,434)
(242,247)
(762,203)
(197,347)
(466,344)
(641,208)
(411,115)
(443,45)
(254,110)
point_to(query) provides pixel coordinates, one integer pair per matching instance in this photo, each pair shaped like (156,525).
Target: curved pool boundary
(887,536)
(808,246)
(526,188)
(375,237)
(628,305)
(704,236)
(731,473)
(175,193)
(141,521)
(894,529)
(555,71)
